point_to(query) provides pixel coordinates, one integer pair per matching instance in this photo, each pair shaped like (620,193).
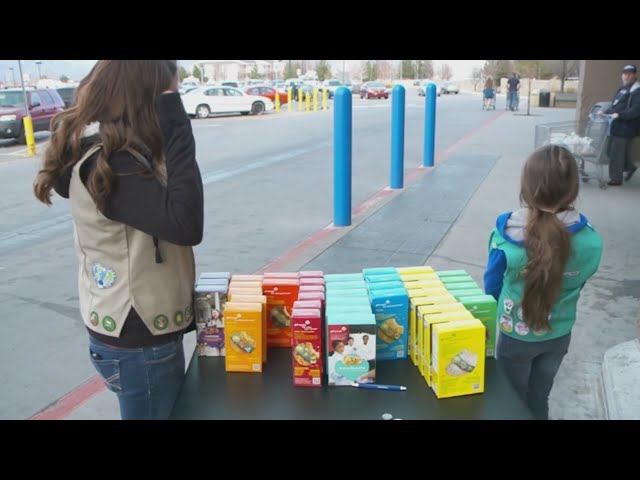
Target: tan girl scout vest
(118,270)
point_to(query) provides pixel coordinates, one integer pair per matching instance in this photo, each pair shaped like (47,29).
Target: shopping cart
(488,99)
(590,148)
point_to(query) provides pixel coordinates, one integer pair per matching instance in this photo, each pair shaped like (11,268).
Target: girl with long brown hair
(124,156)
(540,258)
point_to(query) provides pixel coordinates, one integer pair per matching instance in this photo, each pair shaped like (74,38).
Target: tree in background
(254,74)
(539,69)
(424,69)
(197,72)
(384,69)
(497,69)
(182,73)
(476,77)
(564,69)
(408,69)
(369,71)
(291,69)
(323,70)
(445,71)
(64,78)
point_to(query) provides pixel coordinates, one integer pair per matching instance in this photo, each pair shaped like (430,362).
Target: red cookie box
(307,347)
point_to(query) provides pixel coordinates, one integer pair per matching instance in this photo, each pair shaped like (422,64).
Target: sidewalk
(444,220)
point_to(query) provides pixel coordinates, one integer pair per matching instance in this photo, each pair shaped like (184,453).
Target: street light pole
(13,75)
(344,73)
(38,64)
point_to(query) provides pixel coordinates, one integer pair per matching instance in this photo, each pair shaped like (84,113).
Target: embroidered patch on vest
(522,329)
(508,306)
(94,319)
(109,324)
(104,276)
(178,318)
(506,323)
(161,322)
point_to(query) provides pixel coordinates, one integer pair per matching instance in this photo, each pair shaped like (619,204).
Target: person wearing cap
(625,115)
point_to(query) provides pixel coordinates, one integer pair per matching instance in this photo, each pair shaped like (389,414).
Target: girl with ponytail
(540,258)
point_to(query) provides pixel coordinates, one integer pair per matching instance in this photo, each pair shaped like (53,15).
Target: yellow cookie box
(261,299)
(457,358)
(419,277)
(414,270)
(246,284)
(242,291)
(243,337)
(424,284)
(429,318)
(414,303)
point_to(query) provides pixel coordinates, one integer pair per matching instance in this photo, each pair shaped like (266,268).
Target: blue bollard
(397,137)
(430,126)
(342,157)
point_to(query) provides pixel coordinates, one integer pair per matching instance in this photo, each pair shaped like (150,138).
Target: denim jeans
(512,100)
(531,368)
(146,380)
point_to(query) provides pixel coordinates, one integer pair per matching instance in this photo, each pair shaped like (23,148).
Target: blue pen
(375,386)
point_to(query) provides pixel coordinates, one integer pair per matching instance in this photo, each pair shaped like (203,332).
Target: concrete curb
(621,381)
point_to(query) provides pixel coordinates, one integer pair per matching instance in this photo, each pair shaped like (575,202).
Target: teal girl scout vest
(584,259)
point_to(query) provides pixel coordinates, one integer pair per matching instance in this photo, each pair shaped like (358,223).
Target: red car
(374,90)
(43,106)
(268,92)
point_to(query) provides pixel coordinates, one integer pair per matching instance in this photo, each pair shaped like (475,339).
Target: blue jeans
(146,380)
(512,100)
(531,368)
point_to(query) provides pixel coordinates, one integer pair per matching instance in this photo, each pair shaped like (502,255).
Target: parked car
(187,87)
(331,86)
(230,84)
(268,92)
(374,90)
(423,88)
(43,106)
(68,95)
(450,87)
(204,101)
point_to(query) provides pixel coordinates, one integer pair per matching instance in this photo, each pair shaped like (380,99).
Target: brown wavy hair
(549,186)
(489,83)
(120,95)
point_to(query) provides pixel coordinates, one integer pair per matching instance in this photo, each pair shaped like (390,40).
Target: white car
(450,87)
(423,88)
(204,101)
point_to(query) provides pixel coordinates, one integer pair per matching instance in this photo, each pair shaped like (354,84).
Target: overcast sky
(76,69)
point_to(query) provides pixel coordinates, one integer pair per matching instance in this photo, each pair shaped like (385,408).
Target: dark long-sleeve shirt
(173,213)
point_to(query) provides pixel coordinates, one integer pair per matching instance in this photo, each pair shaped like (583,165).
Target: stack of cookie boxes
(451,318)
(307,326)
(245,324)
(390,305)
(350,331)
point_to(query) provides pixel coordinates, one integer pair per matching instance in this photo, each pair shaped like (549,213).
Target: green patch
(109,324)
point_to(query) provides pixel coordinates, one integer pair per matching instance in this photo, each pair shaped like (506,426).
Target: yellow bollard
(28,133)
(277,100)
(307,97)
(324,98)
(289,95)
(300,99)
(315,99)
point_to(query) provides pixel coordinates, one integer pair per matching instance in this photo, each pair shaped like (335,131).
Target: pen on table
(375,386)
